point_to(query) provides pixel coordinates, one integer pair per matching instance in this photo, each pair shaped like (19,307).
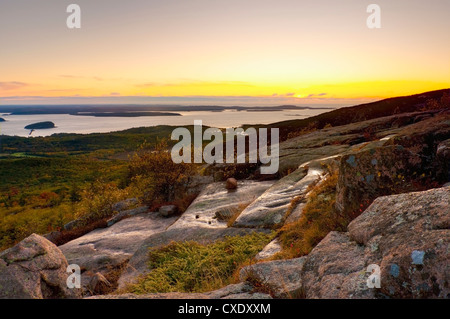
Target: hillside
(363,112)
(370,189)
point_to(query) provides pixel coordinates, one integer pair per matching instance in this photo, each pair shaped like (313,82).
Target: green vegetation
(97,201)
(45,182)
(41,191)
(76,144)
(192,267)
(34,175)
(39,195)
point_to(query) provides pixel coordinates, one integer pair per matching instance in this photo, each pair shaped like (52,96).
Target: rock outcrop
(214,198)
(443,155)
(269,210)
(106,248)
(125,204)
(126,213)
(34,269)
(335,268)
(280,278)
(234,291)
(168,210)
(414,158)
(270,250)
(406,235)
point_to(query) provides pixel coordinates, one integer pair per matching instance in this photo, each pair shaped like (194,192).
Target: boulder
(125,204)
(231,183)
(53,236)
(74,224)
(280,278)
(407,236)
(168,210)
(34,269)
(125,214)
(224,214)
(270,250)
(443,155)
(443,150)
(335,268)
(98,284)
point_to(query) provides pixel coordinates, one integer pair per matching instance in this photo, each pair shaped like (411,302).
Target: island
(2,119)
(40,125)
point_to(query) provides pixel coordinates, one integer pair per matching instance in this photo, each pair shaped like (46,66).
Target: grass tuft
(193,267)
(319,217)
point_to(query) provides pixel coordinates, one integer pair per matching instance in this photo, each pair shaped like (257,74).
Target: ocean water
(65,123)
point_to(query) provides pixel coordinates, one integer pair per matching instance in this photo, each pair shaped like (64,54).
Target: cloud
(69,76)
(114,94)
(145,85)
(290,94)
(188,82)
(316,95)
(176,100)
(64,90)
(13,85)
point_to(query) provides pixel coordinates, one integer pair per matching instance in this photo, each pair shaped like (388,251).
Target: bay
(65,123)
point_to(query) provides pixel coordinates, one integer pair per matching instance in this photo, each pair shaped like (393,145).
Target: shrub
(97,201)
(152,170)
(193,267)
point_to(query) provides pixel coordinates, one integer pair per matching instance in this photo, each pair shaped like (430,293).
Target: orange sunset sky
(219,52)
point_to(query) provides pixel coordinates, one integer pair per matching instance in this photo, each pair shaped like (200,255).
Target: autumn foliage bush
(97,201)
(152,171)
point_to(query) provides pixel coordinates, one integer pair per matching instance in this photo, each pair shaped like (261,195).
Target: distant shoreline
(140,110)
(127,114)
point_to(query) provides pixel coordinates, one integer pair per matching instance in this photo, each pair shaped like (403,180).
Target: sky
(261,52)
